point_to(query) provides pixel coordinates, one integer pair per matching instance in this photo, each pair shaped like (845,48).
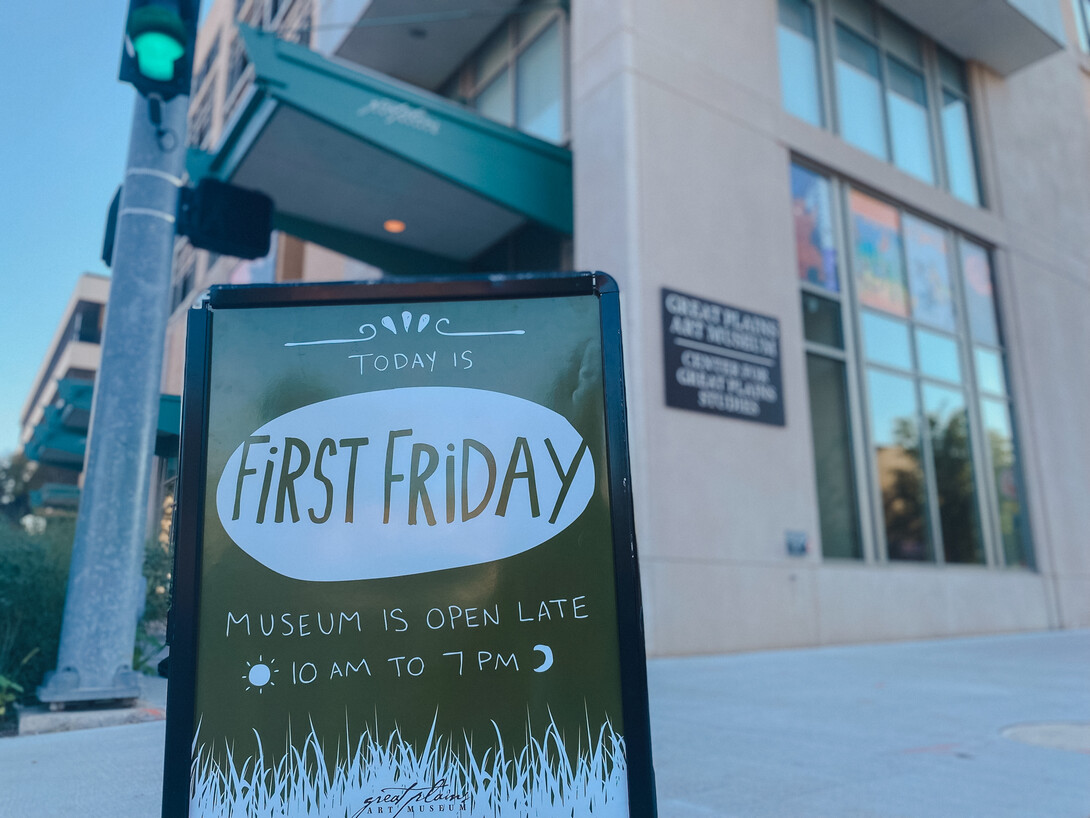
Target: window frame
(940,88)
(999,348)
(467,83)
(866,475)
(857,455)
(826,20)
(982,483)
(823,105)
(1081,9)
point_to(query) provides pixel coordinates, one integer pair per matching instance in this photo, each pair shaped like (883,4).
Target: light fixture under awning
(340,149)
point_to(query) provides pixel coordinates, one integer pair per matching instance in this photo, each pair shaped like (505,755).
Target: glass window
(797,38)
(929,273)
(896,439)
(959,515)
(1082,22)
(859,93)
(540,86)
(495,101)
(943,470)
(517,78)
(1005,468)
(958,143)
(952,72)
(88,322)
(886,79)
(886,341)
(979,300)
(901,39)
(859,13)
(957,130)
(880,275)
(938,356)
(821,321)
(989,371)
(815,245)
(908,121)
(840,535)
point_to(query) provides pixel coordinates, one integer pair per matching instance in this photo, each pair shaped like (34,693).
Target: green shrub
(33,576)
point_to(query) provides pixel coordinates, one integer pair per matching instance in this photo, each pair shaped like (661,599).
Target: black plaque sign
(721,360)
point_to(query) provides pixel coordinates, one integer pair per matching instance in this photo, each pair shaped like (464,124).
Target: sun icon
(260,674)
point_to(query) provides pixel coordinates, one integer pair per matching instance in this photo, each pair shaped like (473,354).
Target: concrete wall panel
(703,607)
(745,483)
(1038,132)
(861,604)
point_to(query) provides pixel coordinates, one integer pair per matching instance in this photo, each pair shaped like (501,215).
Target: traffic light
(225,219)
(157,56)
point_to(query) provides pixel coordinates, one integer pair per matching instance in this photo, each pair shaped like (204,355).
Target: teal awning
(55,495)
(341,150)
(60,439)
(55,444)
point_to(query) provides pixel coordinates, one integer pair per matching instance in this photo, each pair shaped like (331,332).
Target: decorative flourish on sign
(368,332)
(446,321)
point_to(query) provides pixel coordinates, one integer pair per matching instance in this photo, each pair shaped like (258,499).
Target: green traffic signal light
(156,54)
(158,37)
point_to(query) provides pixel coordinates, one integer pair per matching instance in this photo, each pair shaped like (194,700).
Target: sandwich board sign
(405,575)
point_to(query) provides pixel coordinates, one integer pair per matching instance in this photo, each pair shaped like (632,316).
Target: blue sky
(64,140)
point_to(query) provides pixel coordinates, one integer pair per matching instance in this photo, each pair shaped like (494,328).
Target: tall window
(957,130)
(1082,22)
(797,36)
(818,270)
(894,94)
(995,406)
(518,77)
(908,315)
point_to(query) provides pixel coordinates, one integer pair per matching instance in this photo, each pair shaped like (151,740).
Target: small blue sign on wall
(797,543)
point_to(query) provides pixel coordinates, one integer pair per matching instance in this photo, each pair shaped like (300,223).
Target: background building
(57,413)
(890,200)
(54,432)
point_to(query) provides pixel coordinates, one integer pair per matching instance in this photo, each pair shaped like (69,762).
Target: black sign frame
(190,511)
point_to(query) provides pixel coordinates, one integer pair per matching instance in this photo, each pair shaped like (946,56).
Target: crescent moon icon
(547,652)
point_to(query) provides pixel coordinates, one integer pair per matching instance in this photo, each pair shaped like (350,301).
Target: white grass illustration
(394,778)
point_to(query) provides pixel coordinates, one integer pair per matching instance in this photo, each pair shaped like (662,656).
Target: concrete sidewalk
(990,727)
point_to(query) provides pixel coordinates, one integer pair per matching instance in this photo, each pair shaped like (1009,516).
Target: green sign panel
(405,579)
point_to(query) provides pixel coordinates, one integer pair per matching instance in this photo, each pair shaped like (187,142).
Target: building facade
(74,351)
(53,428)
(849,237)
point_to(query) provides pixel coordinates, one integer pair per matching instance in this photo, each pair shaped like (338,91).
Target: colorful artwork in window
(814,237)
(929,274)
(876,228)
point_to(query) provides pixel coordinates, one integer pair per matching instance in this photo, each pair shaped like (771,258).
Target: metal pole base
(62,687)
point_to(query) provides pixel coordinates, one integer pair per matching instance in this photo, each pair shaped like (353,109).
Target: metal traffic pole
(105,583)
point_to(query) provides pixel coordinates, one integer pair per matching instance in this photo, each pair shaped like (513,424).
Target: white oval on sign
(403,481)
